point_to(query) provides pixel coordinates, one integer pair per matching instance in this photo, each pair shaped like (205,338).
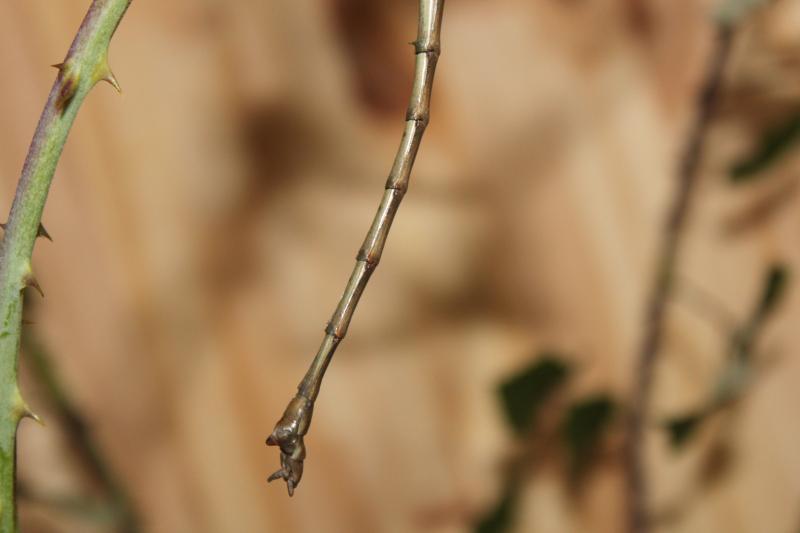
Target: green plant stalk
(85,65)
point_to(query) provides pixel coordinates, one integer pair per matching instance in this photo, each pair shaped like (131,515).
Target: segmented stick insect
(292,427)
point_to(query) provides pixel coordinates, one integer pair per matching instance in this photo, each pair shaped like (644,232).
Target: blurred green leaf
(82,507)
(584,426)
(776,282)
(775,143)
(683,428)
(500,518)
(731,12)
(524,393)
(733,381)
(775,286)
(736,375)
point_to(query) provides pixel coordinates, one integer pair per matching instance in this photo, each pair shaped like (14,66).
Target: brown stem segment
(290,429)
(663,284)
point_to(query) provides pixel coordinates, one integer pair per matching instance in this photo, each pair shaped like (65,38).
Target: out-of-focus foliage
(681,428)
(113,506)
(580,429)
(738,370)
(500,518)
(733,11)
(775,143)
(584,425)
(523,394)
(775,286)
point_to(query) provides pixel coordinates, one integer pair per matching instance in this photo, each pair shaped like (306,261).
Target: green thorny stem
(727,18)
(85,65)
(290,429)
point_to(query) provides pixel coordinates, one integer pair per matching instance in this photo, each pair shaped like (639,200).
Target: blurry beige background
(206,220)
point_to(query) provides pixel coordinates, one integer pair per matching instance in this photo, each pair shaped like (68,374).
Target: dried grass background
(205,223)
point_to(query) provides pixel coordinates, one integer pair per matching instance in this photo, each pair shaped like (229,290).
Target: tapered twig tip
(288,436)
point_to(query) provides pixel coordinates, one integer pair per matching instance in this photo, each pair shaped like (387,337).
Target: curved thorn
(112,80)
(40,233)
(43,233)
(32,282)
(36,418)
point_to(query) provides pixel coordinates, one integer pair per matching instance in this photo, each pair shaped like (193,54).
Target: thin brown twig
(638,521)
(291,428)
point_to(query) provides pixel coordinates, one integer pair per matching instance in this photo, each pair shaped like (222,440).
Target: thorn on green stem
(85,65)
(69,81)
(41,233)
(31,281)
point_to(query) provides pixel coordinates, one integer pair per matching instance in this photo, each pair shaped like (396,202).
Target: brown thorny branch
(292,427)
(638,521)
